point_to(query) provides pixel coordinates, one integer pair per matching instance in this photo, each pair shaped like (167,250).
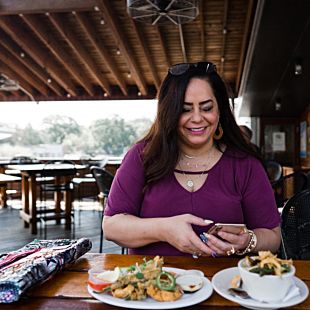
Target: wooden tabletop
(68,288)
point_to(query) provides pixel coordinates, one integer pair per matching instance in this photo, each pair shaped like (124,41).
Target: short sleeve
(126,192)
(258,203)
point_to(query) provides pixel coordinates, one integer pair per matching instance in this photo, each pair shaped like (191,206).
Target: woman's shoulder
(135,152)
(240,157)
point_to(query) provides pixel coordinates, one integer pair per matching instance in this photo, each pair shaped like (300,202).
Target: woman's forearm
(268,239)
(131,231)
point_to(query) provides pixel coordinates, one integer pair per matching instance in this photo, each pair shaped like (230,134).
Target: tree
(112,136)
(58,127)
(26,136)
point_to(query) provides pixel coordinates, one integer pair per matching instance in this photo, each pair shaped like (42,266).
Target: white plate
(149,303)
(221,283)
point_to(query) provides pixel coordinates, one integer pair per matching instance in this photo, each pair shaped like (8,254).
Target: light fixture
(297,67)
(22,55)
(118,52)
(96,8)
(278,104)
(139,94)
(105,95)
(129,75)
(49,81)
(102,22)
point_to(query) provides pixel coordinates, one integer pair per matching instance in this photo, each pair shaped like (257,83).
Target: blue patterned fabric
(35,263)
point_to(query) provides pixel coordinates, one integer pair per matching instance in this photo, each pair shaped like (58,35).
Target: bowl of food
(265,277)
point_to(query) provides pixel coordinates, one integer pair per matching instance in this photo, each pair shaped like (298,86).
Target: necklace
(189,157)
(189,180)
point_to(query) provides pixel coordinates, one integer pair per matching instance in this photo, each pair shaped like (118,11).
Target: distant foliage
(104,136)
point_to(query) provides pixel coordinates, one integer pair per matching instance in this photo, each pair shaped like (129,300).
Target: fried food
(161,295)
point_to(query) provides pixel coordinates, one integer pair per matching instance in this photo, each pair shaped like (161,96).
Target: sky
(84,112)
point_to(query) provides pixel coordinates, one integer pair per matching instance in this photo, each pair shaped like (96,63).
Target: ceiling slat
(9,7)
(98,44)
(146,52)
(42,57)
(45,36)
(15,76)
(113,22)
(78,48)
(30,64)
(19,68)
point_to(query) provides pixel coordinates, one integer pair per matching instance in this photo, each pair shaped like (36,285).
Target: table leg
(57,198)
(33,204)
(3,197)
(68,204)
(25,198)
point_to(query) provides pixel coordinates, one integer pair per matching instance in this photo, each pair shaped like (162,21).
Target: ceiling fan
(7,84)
(163,12)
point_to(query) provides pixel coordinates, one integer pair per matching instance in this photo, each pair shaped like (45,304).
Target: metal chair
(104,181)
(295,226)
(288,186)
(51,213)
(274,170)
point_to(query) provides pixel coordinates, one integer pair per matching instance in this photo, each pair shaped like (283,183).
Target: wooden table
(67,290)
(4,180)
(29,189)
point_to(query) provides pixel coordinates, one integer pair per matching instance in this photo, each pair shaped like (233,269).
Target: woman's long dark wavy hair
(161,152)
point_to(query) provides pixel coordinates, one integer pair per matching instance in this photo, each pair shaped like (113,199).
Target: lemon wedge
(109,275)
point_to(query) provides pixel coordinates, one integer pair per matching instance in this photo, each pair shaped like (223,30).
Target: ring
(214,254)
(196,255)
(231,251)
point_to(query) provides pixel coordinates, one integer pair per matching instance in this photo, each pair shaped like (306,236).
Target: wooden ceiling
(78,49)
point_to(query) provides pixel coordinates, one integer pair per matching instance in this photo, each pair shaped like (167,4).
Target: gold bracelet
(251,245)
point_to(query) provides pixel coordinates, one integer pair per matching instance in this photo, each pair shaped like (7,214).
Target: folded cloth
(35,263)
(292,292)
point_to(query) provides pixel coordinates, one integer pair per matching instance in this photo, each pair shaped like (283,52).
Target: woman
(193,165)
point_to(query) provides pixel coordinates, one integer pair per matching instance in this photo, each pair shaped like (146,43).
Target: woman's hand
(229,244)
(178,231)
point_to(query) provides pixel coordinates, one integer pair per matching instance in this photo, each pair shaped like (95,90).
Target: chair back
(274,170)
(103,179)
(295,226)
(22,160)
(288,186)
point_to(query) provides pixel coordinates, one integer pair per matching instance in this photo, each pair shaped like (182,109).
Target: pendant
(190,184)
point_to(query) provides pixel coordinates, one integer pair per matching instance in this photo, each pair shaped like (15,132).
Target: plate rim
(132,304)
(254,303)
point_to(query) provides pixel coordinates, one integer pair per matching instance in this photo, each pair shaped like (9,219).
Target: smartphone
(227,227)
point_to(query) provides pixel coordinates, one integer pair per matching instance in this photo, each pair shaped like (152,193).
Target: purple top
(237,190)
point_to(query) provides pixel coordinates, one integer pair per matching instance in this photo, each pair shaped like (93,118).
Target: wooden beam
(146,52)
(114,24)
(224,36)
(13,48)
(162,44)
(80,51)
(19,68)
(244,44)
(202,30)
(42,57)
(101,49)
(12,7)
(45,36)
(15,76)
(182,43)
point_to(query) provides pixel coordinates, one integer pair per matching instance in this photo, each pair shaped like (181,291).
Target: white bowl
(268,288)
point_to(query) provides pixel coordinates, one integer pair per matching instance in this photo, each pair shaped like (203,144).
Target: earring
(218,132)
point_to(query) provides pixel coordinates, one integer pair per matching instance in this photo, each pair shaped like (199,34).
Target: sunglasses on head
(179,69)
